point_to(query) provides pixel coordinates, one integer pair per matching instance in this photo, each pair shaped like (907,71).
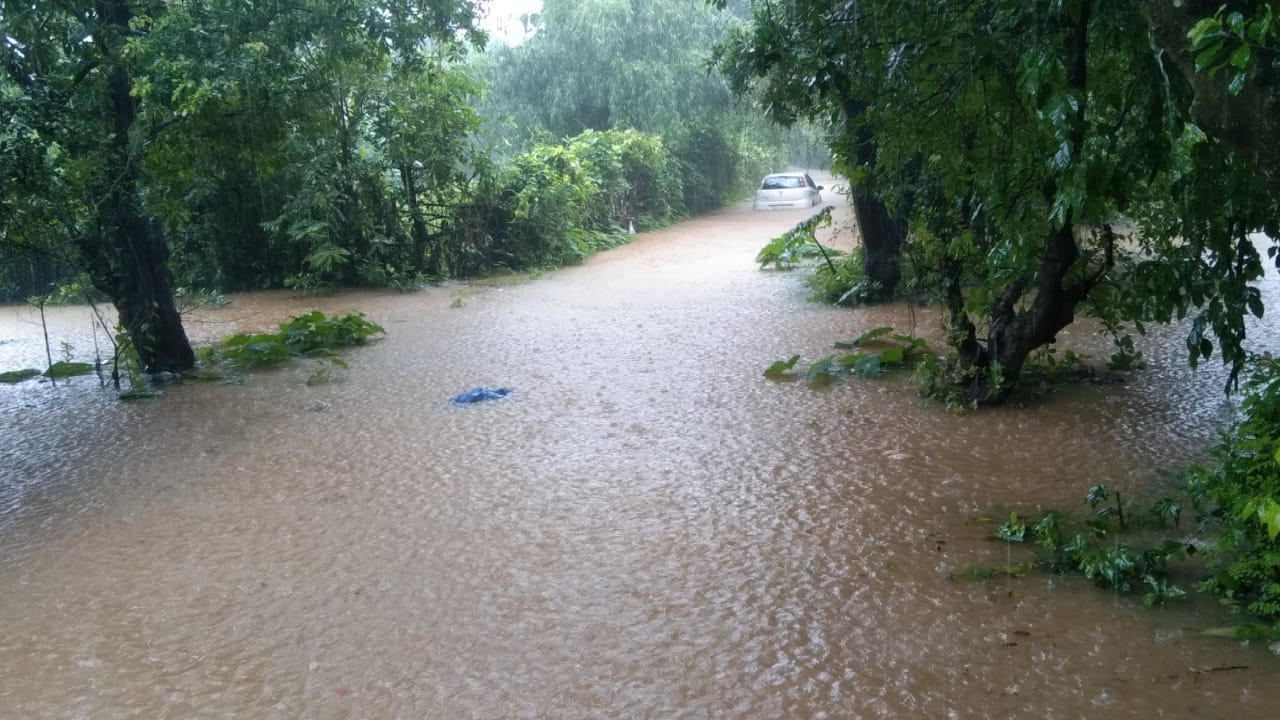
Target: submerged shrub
(1240,492)
(310,335)
(843,281)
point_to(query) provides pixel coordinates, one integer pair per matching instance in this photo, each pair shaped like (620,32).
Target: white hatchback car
(787,190)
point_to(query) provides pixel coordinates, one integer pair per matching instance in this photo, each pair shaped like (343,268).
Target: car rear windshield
(781,183)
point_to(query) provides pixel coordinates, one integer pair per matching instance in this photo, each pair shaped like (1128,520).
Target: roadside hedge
(557,203)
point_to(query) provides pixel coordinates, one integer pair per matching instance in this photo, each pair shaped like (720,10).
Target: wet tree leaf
(869,366)
(781,367)
(820,372)
(872,334)
(893,355)
(851,359)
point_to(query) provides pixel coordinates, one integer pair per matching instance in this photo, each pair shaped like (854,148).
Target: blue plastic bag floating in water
(481,394)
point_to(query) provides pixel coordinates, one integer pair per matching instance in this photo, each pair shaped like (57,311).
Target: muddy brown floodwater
(647,529)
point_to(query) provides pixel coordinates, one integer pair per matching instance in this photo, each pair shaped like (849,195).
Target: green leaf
(1013,531)
(1240,58)
(1062,158)
(851,359)
(1204,30)
(893,355)
(869,366)
(1237,83)
(1269,515)
(1255,304)
(1096,494)
(1235,21)
(910,343)
(1205,58)
(872,334)
(821,372)
(781,367)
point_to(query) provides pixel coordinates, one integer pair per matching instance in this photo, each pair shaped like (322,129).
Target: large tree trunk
(126,256)
(992,370)
(1249,122)
(883,235)
(353,234)
(418,232)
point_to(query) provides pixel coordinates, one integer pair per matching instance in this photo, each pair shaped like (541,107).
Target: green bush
(549,194)
(709,166)
(560,202)
(1241,494)
(637,176)
(1096,550)
(843,281)
(310,335)
(1237,498)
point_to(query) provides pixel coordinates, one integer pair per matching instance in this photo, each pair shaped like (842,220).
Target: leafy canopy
(1043,156)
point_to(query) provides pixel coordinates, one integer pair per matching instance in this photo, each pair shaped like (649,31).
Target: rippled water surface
(647,529)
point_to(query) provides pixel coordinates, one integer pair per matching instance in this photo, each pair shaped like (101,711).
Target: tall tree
(422,125)
(1011,135)
(604,64)
(240,130)
(69,64)
(302,102)
(623,64)
(800,60)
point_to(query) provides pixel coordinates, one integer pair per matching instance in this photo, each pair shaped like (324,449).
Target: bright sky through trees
(502,18)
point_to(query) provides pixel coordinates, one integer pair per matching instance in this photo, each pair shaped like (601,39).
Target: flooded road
(647,529)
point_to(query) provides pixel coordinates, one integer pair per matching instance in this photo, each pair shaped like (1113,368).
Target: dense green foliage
(1095,548)
(1132,547)
(616,64)
(557,203)
(334,142)
(1011,137)
(1232,66)
(871,354)
(309,139)
(1242,491)
(218,145)
(248,143)
(310,335)
(601,64)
